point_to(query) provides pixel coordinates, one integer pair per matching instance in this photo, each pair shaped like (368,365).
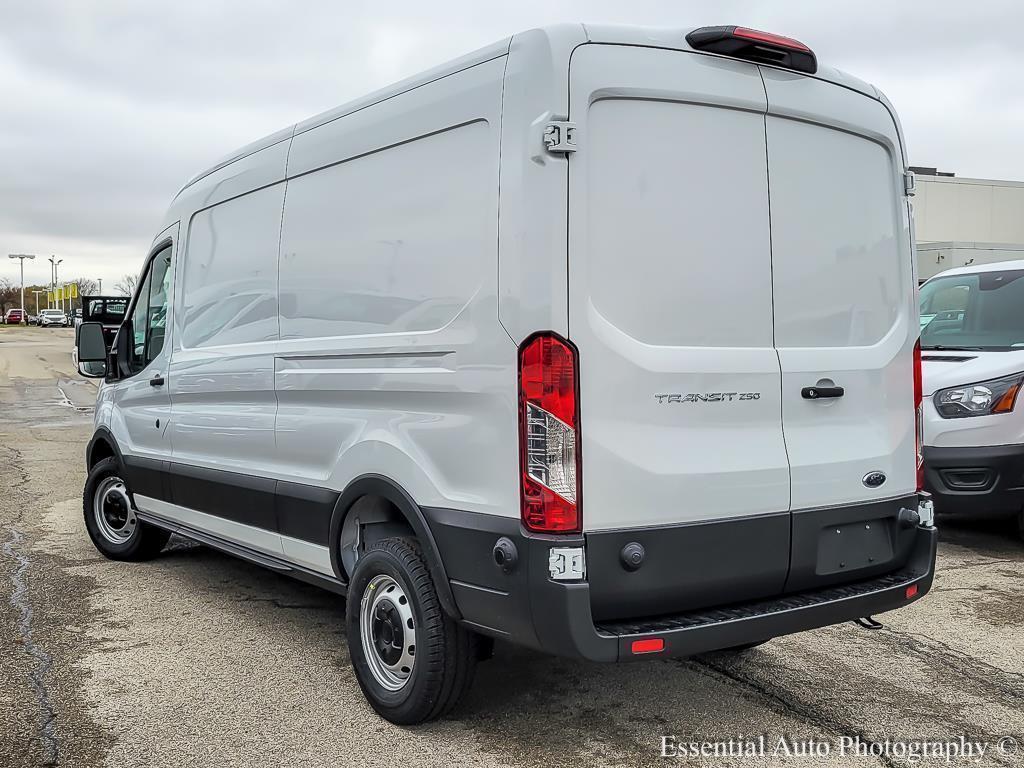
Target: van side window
(149,316)
(140,313)
(158,295)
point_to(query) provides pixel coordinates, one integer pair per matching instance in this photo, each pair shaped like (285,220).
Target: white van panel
(229,276)
(259,169)
(840,280)
(666,263)
(362,254)
(843,283)
(391,353)
(532,280)
(458,99)
(669,295)
(222,370)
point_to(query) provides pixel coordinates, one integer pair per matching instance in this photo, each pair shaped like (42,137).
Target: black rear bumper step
(699,618)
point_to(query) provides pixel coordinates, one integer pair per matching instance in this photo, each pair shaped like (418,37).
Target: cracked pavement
(196,658)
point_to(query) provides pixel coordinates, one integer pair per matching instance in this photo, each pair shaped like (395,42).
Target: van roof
(552,37)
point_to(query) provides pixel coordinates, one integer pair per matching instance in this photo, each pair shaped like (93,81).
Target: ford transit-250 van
(566,343)
(972,337)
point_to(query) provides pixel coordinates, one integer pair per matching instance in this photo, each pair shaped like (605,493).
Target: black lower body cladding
(698,587)
(976,480)
(846,562)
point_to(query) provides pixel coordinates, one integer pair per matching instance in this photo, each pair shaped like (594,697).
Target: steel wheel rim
(387,631)
(112,509)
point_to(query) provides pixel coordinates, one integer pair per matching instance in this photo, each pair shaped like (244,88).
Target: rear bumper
(976,480)
(526,606)
(565,626)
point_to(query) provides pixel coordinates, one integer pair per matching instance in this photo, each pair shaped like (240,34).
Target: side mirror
(91,350)
(91,347)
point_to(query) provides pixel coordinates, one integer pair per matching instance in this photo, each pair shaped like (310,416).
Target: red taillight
(919,416)
(652,645)
(549,435)
(779,41)
(912,591)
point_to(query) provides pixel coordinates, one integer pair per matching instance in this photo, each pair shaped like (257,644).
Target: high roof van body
(568,343)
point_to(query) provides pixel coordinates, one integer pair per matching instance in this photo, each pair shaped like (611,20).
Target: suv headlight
(982,399)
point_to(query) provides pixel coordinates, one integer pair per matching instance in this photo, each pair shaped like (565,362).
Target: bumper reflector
(911,591)
(652,645)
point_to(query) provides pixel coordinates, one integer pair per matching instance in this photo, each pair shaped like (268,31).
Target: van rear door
(670,307)
(845,319)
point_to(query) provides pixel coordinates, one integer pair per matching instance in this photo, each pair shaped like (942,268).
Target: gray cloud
(110,106)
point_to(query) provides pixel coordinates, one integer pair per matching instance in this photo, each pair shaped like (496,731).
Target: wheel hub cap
(388,632)
(113,512)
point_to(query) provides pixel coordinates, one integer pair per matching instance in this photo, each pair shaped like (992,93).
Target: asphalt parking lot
(201,660)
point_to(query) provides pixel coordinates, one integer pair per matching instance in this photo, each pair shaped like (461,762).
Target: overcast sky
(107,107)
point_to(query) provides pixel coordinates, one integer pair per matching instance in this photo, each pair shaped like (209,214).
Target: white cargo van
(567,343)
(972,337)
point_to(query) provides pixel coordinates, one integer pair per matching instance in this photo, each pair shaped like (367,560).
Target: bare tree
(86,287)
(126,285)
(10,295)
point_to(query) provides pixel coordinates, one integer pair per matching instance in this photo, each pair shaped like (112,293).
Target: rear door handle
(817,393)
(157,381)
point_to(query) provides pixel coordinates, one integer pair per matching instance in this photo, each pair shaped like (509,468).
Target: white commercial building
(963,221)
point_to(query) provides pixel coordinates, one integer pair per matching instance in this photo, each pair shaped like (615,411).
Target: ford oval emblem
(874,479)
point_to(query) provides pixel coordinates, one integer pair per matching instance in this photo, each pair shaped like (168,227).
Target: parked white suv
(53,318)
(632,415)
(972,339)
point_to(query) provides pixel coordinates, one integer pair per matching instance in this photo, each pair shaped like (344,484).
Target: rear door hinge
(909,183)
(560,137)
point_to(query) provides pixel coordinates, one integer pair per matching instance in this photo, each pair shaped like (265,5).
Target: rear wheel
(110,517)
(412,661)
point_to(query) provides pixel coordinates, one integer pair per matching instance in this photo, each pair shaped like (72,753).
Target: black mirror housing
(91,347)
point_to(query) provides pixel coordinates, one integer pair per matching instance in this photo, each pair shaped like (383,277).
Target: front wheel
(110,517)
(412,661)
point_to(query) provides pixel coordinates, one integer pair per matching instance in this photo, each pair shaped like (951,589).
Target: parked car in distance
(53,318)
(634,416)
(15,317)
(33,319)
(973,369)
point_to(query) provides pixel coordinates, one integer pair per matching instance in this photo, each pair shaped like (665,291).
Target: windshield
(983,311)
(52,312)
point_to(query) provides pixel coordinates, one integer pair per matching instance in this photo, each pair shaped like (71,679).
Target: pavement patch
(12,548)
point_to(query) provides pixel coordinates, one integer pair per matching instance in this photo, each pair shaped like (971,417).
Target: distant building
(963,221)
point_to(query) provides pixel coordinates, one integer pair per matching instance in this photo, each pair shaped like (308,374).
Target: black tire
(445,653)
(143,543)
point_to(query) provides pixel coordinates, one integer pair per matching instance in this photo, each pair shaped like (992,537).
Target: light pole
(37,301)
(100,281)
(54,261)
(22,257)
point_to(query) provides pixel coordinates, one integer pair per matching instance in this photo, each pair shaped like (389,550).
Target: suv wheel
(413,662)
(110,517)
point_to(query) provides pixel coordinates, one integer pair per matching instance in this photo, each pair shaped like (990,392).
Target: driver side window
(149,316)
